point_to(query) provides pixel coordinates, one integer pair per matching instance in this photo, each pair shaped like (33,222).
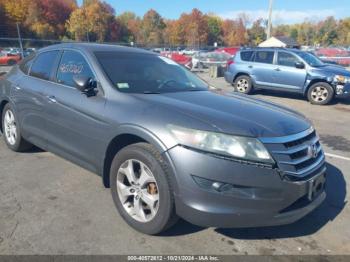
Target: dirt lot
(50,206)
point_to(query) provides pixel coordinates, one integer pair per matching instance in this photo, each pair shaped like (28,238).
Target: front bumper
(342,90)
(259,197)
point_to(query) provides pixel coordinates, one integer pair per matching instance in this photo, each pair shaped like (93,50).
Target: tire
(320,93)
(12,132)
(11,62)
(243,84)
(164,215)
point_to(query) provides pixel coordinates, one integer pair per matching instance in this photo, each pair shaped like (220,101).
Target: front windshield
(311,59)
(147,73)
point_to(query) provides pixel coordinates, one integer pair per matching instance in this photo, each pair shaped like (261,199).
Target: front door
(75,121)
(286,74)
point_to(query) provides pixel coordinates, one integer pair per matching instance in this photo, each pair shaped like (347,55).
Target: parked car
(288,70)
(166,145)
(9,59)
(230,50)
(202,60)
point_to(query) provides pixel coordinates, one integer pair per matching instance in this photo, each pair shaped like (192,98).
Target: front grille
(297,156)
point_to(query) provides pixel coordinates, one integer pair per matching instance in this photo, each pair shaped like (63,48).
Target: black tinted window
(25,65)
(286,59)
(43,65)
(246,55)
(72,63)
(264,57)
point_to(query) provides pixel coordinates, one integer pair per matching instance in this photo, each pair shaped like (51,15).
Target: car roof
(93,47)
(294,50)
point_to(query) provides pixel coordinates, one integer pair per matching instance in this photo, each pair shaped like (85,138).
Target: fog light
(213,185)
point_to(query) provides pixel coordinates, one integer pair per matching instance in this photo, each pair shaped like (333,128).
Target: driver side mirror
(85,84)
(300,65)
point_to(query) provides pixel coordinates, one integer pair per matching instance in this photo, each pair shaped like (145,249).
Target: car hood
(333,69)
(232,113)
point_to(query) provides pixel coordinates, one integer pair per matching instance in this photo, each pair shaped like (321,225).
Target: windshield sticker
(71,68)
(123,85)
(167,60)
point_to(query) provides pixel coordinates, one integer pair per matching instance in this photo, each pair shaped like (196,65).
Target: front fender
(145,134)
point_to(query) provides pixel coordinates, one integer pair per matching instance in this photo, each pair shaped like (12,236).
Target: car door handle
(52,99)
(277,69)
(250,66)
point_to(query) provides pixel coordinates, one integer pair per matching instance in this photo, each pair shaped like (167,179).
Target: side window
(286,59)
(25,65)
(43,65)
(265,57)
(72,63)
(246,55)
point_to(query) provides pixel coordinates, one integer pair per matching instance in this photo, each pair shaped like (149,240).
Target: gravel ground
(50,206)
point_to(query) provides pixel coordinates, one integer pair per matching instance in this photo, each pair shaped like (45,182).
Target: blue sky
(285,11)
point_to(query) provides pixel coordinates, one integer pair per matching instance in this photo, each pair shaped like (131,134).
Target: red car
(9,59)
(229,50)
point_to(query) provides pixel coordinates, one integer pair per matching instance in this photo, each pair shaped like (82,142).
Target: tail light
(229,62)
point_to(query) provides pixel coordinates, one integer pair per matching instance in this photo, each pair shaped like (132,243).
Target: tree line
(96,20)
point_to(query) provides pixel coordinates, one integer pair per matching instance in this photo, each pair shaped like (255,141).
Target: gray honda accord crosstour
(165,143)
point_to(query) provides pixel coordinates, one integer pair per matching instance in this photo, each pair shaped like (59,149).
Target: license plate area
(316,186)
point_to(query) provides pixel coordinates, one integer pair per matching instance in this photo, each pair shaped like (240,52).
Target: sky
(285,11)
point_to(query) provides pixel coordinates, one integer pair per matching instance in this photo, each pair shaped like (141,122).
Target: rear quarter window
(25,65)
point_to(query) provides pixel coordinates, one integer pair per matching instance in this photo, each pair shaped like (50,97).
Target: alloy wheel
(138,190)
(319,94)
(242,85)
(10,128)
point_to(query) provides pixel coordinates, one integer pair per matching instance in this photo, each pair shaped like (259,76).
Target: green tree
(214,29)
(257,32)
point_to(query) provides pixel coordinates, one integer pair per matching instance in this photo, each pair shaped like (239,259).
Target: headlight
(245,148)
(341,79)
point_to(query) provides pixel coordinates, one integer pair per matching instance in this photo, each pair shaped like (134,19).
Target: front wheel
(141,189)
(12,132)
(243,84)
(320,93)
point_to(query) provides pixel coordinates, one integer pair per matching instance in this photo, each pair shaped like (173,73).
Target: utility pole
(269,22)
(20,39)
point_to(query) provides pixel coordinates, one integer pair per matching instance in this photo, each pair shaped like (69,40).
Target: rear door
(29,96)
(75,122)
(263,68)
(287,76)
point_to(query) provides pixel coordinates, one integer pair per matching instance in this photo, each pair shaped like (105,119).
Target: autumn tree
(194,28)
(172,33)
(152,28)
(92,20)
(327,32)
(234,32)
(343,32)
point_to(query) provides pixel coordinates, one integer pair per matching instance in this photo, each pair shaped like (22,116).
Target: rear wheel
(141,189)
(320,93)
(243,84)
(12,132)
